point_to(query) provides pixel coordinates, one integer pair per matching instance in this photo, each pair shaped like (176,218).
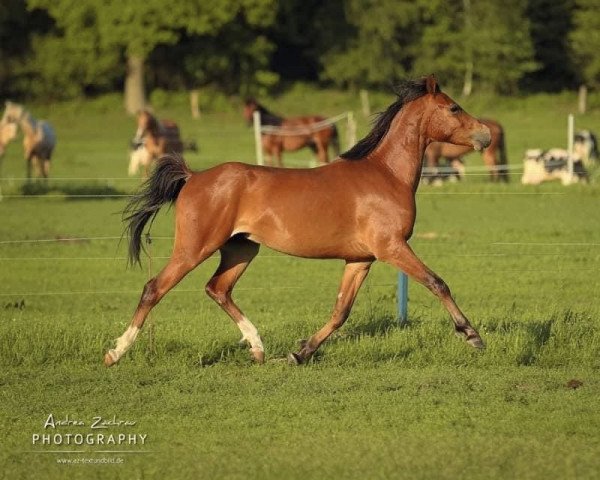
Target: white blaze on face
(250,334)
(138,134)
(124,342)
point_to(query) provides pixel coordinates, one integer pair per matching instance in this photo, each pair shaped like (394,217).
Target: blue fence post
(402,298)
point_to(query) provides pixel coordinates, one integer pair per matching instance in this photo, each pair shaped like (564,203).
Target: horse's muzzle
(481,138)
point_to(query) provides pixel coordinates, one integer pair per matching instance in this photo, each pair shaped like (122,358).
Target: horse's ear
(432,85)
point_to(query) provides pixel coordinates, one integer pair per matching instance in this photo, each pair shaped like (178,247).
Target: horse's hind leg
(402,257)
(354,275)
(179,265)
(29,160)
(45,167)
(236,255)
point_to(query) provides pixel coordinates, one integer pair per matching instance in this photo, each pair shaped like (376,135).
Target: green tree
(465,42)
(17,26)
(380,46)
(585,40)
(133,29)
(470,43)
(551,22)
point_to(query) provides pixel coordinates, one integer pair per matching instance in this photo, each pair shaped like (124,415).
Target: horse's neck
(402,148)
(28,124)
(155,128)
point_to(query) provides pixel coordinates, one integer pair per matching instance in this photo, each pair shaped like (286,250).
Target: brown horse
(39,138)
(293,133)
(360,208)
(156,138)
(494,156)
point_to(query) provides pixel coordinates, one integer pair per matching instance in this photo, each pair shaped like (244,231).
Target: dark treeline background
(61,49)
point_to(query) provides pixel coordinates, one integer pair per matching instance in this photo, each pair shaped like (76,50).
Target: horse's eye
(454,108)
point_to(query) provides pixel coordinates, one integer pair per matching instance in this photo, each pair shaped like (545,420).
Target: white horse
(139,157)
(39,138)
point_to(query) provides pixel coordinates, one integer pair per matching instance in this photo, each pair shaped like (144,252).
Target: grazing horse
(494,156)
(8,131)
(359,208)
(153,139)
(585,145)
(39,138)
(293,133)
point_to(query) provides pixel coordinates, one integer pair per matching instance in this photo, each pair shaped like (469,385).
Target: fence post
(402,298)
(364,101)
(257,138)
(570,133)
(351,133)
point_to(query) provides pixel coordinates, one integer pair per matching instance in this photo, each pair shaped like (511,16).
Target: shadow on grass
(71,191)
(372,326)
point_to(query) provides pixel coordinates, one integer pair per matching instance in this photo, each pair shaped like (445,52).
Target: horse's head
(250,106)
(146,124)
(446,121)
(13,112)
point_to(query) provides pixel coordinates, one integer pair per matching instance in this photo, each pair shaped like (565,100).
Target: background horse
(494,156)
(8,131)
(307,131)
(585,145)
(230,208)
(39,138)
(153,139)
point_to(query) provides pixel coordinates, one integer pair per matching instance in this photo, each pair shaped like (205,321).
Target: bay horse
(153,139)
(494,156)
(296,133)
(359,208)
(39,138)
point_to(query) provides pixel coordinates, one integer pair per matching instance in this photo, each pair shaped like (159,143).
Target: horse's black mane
(407,91)
(266,116)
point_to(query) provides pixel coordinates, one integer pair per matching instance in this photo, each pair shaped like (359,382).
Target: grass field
(378,401)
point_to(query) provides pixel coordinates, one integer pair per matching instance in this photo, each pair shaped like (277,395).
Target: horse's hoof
(294,360)
(109,361)
(258,355)
(476,342)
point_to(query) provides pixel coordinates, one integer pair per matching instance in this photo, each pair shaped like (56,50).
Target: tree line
(60,49)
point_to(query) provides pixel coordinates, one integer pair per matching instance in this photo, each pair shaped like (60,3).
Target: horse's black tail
(503,173)
(163,186)
(335,141)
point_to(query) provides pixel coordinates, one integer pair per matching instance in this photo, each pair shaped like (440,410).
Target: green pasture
(379,400)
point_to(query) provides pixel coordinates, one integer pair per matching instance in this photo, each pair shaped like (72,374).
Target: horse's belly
(295,143)
(306,236)
(301,247)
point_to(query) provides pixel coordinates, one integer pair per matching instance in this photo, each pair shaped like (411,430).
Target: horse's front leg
(401,256)
(277,154)
(489,159)
(432,163)
(321,151)
(354,275)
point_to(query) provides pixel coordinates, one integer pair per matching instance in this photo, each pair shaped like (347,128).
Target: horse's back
(47,142)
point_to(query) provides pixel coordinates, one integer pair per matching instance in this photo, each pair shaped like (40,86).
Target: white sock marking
(124,342)
(250,334)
